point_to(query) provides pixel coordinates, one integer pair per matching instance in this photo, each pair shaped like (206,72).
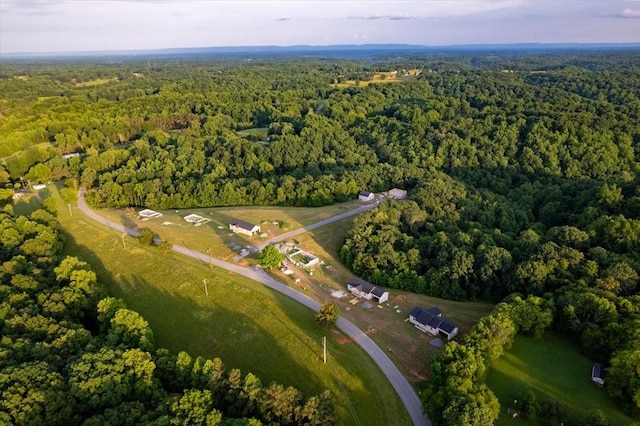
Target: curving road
(316,225)
(400,384)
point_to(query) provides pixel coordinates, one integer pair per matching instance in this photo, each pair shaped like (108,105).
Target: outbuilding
(597,374)
(241,227)
(366,196)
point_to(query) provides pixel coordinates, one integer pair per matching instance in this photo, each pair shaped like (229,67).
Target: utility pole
(324,349)
(206,290)
(122,236)
(210,260)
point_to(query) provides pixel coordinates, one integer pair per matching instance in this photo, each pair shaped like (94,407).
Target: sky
(49,26)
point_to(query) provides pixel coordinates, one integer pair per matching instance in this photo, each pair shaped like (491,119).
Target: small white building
(366,290)
(242,227)
(39,186)
(366,196)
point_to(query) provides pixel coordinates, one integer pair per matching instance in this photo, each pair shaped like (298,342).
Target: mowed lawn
(245,324)
(554,370)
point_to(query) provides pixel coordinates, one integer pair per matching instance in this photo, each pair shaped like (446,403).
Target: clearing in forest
(552,369)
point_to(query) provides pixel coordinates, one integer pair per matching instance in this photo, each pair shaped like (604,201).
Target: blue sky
(79,25)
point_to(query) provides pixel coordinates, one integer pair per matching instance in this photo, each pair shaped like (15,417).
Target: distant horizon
(265,49)
(64,26)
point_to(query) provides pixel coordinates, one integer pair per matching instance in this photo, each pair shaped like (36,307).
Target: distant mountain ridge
(340,50)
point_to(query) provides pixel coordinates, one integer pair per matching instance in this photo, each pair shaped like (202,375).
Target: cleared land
(245,324)
(215,237)
(97,82)
(381,77)
(553,369)
(408,347)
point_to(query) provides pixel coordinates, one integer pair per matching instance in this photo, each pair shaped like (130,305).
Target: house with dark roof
(366,196)
(597,374)
(366,290)
(241,227)
(431,321)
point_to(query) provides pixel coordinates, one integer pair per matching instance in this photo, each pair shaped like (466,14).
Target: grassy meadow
(380,77)
(245,324)
(552,369)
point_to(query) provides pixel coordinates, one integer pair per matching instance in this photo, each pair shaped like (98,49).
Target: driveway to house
(316,225)
(401,385)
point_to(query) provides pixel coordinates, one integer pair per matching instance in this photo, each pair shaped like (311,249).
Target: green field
(245,324)
(97,82)
(554,370)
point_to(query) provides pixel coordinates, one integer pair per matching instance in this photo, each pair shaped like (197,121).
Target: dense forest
(523,174)
(70,355)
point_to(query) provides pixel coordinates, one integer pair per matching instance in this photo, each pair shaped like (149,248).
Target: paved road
(318,224)
(400,384)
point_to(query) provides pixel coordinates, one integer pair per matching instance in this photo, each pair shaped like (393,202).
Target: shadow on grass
(26,205)
(191,323)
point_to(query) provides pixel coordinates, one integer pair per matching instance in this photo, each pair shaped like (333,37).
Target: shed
(366,196)
(241,227)
(597,374)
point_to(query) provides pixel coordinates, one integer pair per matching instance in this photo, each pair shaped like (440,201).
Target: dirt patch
(345,340)
(400,298)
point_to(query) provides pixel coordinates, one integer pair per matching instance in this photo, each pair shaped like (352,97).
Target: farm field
(245,324)
(554,370)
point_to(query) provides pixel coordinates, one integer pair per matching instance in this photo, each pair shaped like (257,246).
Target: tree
(146,237)
(195,407)
(165,246)
(328,314)
(31,393)
(623,378)
(270,257)
(129,329)
(68,195)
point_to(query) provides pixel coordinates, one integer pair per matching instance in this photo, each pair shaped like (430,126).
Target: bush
(146,237)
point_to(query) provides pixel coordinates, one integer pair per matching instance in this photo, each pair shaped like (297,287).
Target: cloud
(631,13)
(383,17)
(283,19)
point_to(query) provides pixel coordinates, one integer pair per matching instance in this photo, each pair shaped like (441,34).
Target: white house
(431,321)
(242,227)
(366,290)
(366,196)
